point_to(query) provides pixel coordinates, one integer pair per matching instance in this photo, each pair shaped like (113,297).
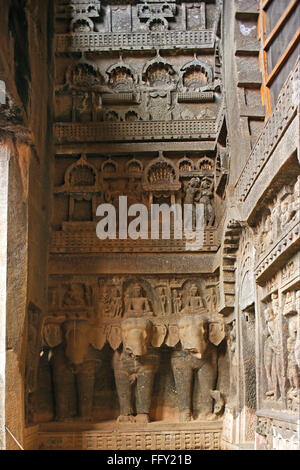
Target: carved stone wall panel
(277,231)
(94,179)
(279,319)
(140,439)
(273,131)
(106,299)
(89,311)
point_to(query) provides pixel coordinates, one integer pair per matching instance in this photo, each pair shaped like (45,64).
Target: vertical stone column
(4,162)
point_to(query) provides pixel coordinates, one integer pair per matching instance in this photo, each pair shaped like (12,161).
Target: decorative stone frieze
(167,40)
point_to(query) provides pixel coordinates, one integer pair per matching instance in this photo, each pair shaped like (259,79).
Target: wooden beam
(280,23)
(284,57)
(265,3)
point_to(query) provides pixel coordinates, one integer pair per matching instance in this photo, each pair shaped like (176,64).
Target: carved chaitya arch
(82,187)
(83,75)
(112,115)
(134,167)
(121,77)
(109,167)
(132,116)
(185,165)
(196,75)
(81,24)
(161,175)
(157,24)
(206,165)
(159,73)
(81,173)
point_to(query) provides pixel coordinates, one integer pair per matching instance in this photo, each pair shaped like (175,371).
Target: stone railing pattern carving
(87,242)
(85,42)
(127,131)
(205,439)
(277,123)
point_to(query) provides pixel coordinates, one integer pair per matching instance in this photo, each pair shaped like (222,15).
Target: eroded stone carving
(198,355)
(73,341)
(137,362)
(200,190)
(156,15)
(291,311)
(34,322)
(137,303)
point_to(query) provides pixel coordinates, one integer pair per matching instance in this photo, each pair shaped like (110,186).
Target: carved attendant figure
(163,300)
(292,366)
(177,301)
(205,197)
(272,349)
(267,233)
(275,219)
(73,297)
(136,303)
(191,195)
(287,212)
(191,191)
(117,303)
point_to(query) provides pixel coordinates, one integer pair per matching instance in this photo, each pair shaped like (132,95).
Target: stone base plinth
(110,435)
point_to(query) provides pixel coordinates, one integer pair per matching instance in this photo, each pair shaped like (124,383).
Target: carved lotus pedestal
(110,435)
